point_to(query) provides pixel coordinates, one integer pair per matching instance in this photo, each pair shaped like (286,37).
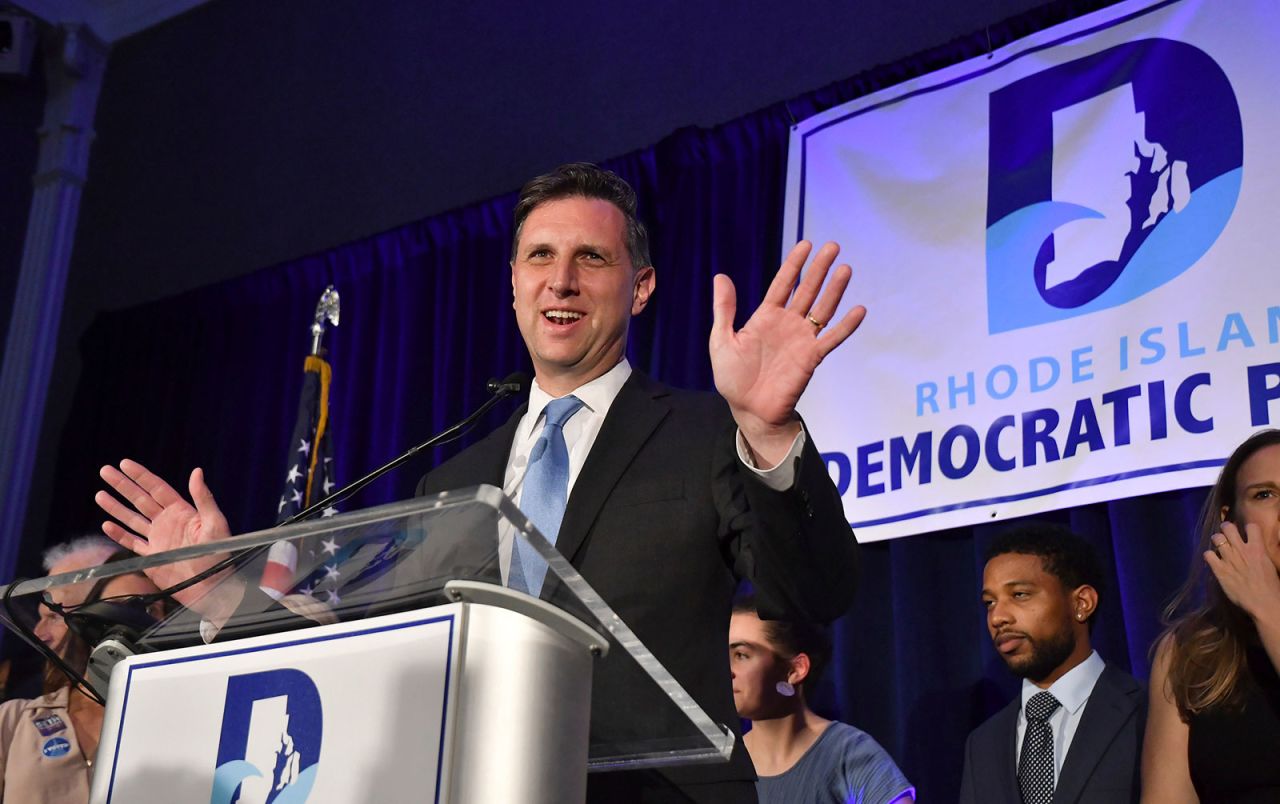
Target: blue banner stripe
(1026,495)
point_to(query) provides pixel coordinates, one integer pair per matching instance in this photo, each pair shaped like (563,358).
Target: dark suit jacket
(663,521)
(1102,764)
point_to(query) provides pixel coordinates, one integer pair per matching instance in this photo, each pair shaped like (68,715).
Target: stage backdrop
(1066,251)
(212,378)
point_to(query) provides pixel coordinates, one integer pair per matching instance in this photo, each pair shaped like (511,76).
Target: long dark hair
(1207,633)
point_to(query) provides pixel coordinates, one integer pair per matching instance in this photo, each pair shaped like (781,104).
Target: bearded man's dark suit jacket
(1101,766)
(663,520)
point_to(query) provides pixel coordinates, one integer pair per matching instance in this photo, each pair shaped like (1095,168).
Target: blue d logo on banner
(1109,176)
(1070,271)
(269,747)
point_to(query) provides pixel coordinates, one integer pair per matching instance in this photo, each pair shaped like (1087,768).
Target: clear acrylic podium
(397,668)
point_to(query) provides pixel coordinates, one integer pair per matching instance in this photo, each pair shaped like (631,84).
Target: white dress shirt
(580,433)
(1072,691)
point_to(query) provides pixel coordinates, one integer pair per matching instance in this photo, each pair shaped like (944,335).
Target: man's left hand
(762,369)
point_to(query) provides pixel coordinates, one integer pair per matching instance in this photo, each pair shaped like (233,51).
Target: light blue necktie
(546,490)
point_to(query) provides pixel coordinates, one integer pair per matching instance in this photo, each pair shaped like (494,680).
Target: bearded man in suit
(1074,734)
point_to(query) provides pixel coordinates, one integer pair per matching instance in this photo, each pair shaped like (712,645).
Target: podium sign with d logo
(272,723)
(346,712)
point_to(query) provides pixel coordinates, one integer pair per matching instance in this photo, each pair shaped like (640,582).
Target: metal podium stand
(399,668)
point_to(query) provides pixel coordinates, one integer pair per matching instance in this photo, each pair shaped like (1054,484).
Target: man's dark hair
(585,180)
(1064,555)
(790,638)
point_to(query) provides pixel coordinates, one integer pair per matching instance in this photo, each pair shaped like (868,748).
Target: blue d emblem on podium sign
(269,748)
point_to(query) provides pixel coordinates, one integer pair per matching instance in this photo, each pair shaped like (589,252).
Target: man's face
(1029,615)
(1258,498)
(575,290)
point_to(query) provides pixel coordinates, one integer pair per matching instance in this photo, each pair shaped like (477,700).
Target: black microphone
(93,622)
(512,384)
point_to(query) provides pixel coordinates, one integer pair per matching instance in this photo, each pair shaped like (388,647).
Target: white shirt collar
(1075,686)
(597,395)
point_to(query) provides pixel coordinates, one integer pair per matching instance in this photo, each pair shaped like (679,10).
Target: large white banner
(1067,251)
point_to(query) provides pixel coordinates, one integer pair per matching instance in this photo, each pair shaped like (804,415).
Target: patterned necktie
(546,490)
(1035,767)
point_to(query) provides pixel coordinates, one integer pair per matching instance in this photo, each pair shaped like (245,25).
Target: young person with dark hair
(1075,732)
(1215,691)
(798,755)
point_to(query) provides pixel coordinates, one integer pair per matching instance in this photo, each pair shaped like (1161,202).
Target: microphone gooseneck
(512,384)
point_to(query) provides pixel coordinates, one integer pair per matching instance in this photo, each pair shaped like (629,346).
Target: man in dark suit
(665,498)
(1075,732)
(663,517)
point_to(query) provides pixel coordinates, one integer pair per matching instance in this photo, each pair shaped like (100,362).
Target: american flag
(309,477)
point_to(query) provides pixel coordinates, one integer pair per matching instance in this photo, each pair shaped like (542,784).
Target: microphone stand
(509,386)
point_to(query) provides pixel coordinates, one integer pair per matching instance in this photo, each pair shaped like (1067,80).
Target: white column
(74,71)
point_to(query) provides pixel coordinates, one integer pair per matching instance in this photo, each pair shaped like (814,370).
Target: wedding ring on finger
(814,321)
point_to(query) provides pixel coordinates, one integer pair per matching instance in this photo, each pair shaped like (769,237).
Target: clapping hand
(161,519)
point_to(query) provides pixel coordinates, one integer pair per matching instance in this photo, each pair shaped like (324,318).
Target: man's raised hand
(762,369)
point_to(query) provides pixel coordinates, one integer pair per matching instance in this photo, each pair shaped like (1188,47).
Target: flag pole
(310,474)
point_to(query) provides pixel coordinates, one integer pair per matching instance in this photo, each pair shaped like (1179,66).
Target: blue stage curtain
(211,378)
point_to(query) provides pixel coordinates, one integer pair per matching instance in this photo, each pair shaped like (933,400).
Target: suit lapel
(497,450)
(633,416)
(474,556)
(1110,706)
(1006,767)
(486,461)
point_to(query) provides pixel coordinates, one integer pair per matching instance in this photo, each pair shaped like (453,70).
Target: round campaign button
(56,747)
